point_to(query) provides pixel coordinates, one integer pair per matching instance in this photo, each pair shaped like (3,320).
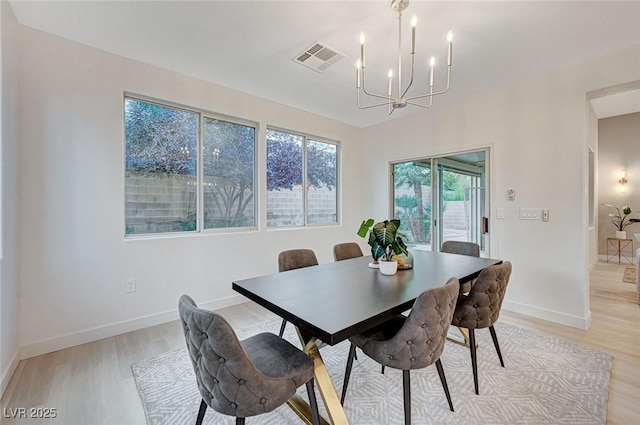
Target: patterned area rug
(545,381)
(629,275)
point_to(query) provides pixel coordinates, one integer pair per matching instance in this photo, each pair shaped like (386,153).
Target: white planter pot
(621,234)
(388,267)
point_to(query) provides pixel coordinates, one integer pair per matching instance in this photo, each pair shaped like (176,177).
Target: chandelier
(400,100)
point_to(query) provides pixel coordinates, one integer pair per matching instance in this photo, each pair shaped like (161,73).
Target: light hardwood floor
(92,383)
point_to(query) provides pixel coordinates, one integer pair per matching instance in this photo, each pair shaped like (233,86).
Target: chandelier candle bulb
(362,48)
(358,66)
(432,63)
(414,21)
(390,74)
(449,53)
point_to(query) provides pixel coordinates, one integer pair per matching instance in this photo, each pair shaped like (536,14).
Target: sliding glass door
(442,198)
(412,200)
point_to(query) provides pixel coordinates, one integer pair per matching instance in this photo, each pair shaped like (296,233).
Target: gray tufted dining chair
(242,378)
(463,248)
(481,308)
(412,342)
(295,259)
(346,251)
(459,247)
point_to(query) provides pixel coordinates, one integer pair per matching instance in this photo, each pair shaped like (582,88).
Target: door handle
(485,225)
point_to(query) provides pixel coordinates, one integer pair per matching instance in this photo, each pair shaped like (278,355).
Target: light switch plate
(529,214)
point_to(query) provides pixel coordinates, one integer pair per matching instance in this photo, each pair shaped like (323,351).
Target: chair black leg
(382,371)
(201,412)
(406,390)
(495,343)
(474,360)
(284,323)
(347,372)
(239,421)
(444,383)
(313,403)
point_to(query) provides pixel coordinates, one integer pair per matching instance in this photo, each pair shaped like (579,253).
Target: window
(229,164)
(163,189)
(302,174)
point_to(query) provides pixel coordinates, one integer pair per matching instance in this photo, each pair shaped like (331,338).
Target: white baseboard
(8,373)
(550,315)
(89,335)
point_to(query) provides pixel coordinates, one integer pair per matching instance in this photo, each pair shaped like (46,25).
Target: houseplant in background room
(620,220)
(388,250)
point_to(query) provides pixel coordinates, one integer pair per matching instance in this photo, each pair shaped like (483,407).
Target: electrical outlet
(130,286)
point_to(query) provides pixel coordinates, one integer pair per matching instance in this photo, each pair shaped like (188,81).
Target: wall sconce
(623,181)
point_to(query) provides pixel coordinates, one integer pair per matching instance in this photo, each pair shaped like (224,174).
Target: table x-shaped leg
(325,387)
(465,335)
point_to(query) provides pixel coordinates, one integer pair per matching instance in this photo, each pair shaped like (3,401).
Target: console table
(621,248)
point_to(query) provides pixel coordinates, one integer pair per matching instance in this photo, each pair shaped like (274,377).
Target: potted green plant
(620,219)
(385,243)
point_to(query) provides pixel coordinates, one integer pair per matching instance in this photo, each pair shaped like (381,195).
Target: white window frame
(306,137)
(202,114)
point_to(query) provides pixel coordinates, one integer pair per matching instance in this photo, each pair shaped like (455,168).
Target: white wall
(73,259)
(537,130)
(9,340)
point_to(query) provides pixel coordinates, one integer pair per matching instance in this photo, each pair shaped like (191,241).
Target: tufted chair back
(346,251)
(411,342)
(420,340)
(296,259)
(481,307)
(228,381)
(464,248)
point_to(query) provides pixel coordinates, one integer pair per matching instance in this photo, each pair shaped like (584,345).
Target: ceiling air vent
(318,57)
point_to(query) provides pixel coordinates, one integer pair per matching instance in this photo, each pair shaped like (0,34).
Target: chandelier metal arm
(429,105)
(388,102)
(413,60)
(430,95)
(364,90)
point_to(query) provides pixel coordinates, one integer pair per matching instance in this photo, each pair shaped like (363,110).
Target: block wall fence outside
(164,204)
(455,214)
(158,204)
(284,206)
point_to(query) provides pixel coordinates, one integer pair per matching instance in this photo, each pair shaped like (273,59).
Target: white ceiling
(249,45)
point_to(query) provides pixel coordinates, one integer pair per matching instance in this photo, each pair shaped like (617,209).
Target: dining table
(332,302)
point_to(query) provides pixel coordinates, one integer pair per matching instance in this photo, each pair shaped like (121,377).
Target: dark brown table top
(335,301)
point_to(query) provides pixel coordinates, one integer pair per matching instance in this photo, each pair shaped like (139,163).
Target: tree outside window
(229,164)
(162,189)
(301,180)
